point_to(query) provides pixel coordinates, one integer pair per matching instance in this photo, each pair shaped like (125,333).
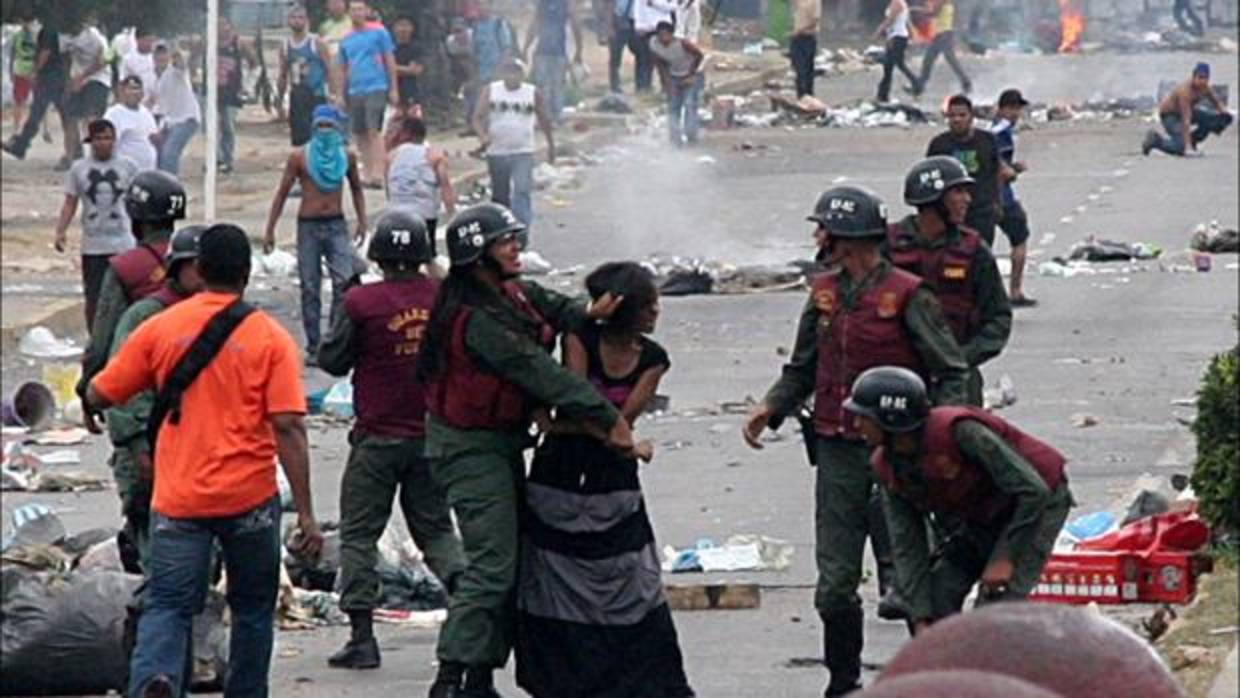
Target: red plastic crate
(1081,577)
(1171,576)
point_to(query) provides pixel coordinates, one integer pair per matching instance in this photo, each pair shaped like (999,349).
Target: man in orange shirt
(215,476)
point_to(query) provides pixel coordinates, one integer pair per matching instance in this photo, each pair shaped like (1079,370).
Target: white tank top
(512,119)
(899,27)
(412,182)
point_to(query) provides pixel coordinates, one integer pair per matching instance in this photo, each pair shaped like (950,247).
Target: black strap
(206,345)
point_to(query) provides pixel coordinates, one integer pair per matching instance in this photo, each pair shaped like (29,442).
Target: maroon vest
(166,296)
(850,341)
(946,270)
(141,270)
(956,485)
(389,319)
(466,396)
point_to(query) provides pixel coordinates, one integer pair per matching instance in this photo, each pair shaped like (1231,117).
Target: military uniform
(962,273)
(1007,489)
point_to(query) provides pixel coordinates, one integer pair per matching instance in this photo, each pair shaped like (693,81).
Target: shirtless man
(320,167)
(1186,117)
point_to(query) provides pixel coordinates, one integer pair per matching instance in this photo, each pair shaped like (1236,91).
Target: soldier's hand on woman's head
(604,306)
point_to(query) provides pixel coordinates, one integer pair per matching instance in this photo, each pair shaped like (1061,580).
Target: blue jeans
(1205,122)
(551,77)
(682,107)
(228,135)
(321,239)
(181,552)
(512,183)
(176,137)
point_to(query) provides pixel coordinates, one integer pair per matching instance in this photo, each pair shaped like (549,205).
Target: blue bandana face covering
(326,159)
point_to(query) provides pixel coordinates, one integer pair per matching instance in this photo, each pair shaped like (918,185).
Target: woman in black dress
(593,619)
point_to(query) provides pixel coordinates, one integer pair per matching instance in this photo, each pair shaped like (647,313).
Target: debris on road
(39,342)
(1093,249)
(748,553)
(1001,396)
(1213,238)
(683,276)
(279,263)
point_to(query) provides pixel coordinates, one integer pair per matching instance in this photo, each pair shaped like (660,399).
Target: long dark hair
(628,279)
(458,289)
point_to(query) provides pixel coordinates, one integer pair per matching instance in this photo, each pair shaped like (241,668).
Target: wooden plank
(709,597)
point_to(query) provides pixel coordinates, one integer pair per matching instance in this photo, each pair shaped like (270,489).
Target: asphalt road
(1119,345)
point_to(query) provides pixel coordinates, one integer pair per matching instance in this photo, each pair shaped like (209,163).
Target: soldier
(131,451)
(377,334)
(865,314)
(950,257)
(1008,488)
(486,365)
(154,201)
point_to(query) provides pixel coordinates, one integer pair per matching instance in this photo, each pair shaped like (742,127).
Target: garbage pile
(686,276)
(846,60)
(740,553)
(1213,238)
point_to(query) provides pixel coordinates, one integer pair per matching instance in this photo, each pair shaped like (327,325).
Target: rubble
(1093,249)
(683,276)
(739,553)
(1213,238)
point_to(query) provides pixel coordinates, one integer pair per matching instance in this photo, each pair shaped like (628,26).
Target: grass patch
(1190,645)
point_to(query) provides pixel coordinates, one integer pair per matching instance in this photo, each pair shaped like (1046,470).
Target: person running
(320,167)
(49,91)
(304,61)
(1013,220)
(593,617)
(418,178)
(894,28)
(943,19)
(1189,114)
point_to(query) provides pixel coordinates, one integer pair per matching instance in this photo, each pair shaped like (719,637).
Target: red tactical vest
(389,319)
(946,270)
(466,396)
(141,269)
(956,485)
(851,341)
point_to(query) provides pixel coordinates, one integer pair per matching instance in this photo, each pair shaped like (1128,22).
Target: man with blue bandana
(1189,113)
(320,167)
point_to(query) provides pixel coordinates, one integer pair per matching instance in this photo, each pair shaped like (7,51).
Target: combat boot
(362,650)
(479,683)
(448,681)
(842,639)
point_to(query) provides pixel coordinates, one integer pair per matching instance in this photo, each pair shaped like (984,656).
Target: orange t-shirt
(220,459)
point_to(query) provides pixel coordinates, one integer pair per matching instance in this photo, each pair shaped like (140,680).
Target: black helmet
(153,197)
(472,230)
(183,245)
(931,178)
(851,212)
(892,396)
(400,236)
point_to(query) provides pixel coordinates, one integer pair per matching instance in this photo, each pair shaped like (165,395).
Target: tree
(168,17)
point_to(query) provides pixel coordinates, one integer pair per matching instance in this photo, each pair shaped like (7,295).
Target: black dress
(593,620)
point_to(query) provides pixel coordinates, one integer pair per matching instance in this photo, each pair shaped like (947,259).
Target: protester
(1006,491)
(418,178)
(806,25)
(137,136)
(233,52)
(409,65)
(646,17)
(378,336)
(895,28)
(680,63)
(493,40)
(336,25)
(320,167)
(622,36)
(49,91)
(139,60)
(368,79)
(132,466)
(97,182)
(304,76)
(507,114)
(552,21)
(215,469)
(1187,19)
(1013,220)
(177,105)
(90,79)
(1189,114)
(486,365)
(21,67)
(593,617)
(943,44)
(978,151)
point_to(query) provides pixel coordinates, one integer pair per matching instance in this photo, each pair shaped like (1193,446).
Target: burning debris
(1071,25)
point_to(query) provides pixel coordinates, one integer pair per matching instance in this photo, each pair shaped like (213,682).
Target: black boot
(448,681)
(890,605)
(362,650)
(841,648)
(479,683)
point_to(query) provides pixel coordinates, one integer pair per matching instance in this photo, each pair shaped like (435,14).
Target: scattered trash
(68,436)
(1095,250)
(1082,421)
(1184,656)
(1210,237)
(32,405)
(1089,526)
(1001,396)
(33,524)
(739,553)
(614,103)
(338,402)
(278,264)
(1159,622)
(414,619)
(41,343)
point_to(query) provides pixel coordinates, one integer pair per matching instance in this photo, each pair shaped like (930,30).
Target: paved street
(1117,345)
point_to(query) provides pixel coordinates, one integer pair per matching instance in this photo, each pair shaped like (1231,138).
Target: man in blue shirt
(552,19)
(368,76)
(1012,218)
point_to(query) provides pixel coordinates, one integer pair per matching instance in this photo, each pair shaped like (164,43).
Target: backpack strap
(206,345)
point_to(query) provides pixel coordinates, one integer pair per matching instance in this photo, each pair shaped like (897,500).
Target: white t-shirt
(174,97)
(512,119)
(84,49)
(142,65)
(134,128)
(648,13)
